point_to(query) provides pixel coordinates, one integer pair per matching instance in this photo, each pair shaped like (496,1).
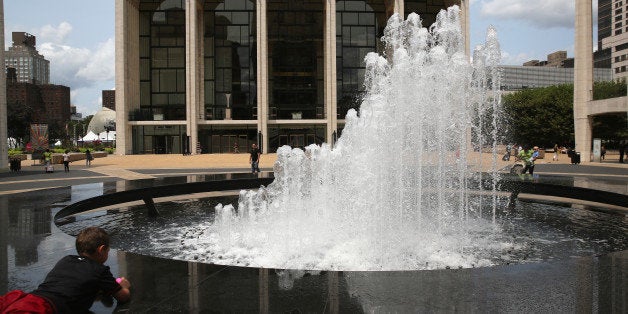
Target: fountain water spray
(394,191)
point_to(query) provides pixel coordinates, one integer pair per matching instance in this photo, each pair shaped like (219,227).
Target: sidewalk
(134,167)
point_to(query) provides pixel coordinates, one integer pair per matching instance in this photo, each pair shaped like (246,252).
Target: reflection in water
(27,227)
(4,241)
(574,285)
(161,285)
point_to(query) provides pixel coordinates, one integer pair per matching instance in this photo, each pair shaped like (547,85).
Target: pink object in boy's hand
(119,280)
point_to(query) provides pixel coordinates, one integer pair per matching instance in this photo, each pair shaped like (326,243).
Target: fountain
(393,193)
(398,191)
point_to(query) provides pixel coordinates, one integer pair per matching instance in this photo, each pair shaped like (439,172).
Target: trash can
(15,164)
(575,158)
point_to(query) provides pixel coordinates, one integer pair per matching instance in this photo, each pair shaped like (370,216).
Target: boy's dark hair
(89,239)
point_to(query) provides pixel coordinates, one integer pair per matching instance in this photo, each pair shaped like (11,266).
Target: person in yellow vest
(47,157)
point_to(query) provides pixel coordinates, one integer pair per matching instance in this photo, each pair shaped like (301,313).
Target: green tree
(610,89)
(540,116)
(19,118)
(544,116)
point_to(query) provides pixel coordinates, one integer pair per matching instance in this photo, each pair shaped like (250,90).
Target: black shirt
(73,284)
(255,154)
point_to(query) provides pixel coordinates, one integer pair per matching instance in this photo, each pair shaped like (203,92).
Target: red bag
(17,301)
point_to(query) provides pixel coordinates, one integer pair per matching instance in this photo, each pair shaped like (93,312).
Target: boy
(75,281)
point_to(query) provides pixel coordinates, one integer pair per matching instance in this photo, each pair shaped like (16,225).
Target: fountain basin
(530,231)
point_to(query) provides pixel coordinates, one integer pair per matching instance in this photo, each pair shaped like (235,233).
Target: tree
(19,117)
(540,116)
(544,116)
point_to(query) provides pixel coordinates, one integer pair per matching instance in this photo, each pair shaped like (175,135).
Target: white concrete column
(331,101)
(127,71)
(464,24)
(583,78)
(192,90)
(4,151)
(262,73)
(399,8)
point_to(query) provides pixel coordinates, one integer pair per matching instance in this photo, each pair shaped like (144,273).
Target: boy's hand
(123,282)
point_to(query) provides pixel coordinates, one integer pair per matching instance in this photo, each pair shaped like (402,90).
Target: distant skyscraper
(613,34)
(30,66)
(109,99)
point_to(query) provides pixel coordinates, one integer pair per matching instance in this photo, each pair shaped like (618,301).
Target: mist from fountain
(393,192)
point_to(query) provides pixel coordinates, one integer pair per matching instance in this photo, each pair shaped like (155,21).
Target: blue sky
(77,36)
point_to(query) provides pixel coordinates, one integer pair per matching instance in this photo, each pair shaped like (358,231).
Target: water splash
(394,191)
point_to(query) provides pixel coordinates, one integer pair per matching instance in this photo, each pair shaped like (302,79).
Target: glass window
(361,22)
(162,58)
(229,57)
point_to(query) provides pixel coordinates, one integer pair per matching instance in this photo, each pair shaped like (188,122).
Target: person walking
(622,149)
(47,157)
(508,152)
(88,157)
(66,161)
(254,158)
(529,157)
(556,150)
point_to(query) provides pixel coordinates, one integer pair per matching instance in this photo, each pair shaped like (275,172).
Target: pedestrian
(254,158)
(529,157)
(603,152)
(556,151)
(623,144)
(88,157)
(66,161)
(74,282)
(508,152)
(47,157)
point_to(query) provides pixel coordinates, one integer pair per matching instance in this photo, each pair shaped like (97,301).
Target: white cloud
(82,69)
(538,13)
(65,62)
(517,59)
(100,66)
(54,34)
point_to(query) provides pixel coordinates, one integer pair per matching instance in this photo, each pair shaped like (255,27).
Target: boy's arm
(123,294)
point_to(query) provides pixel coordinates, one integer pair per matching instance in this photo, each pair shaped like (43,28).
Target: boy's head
(93,242)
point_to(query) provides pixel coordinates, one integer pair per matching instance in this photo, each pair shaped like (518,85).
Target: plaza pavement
(134,167)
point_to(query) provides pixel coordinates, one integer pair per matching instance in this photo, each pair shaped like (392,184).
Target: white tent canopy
(90,137)
(103,136)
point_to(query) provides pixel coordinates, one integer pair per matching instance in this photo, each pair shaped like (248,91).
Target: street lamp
(228,111)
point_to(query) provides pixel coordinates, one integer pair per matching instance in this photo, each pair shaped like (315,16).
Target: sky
(77,37)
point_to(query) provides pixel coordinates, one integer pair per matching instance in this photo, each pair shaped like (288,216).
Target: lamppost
(228,111)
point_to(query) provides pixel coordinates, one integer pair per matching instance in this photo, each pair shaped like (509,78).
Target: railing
(508,183)
(148,194)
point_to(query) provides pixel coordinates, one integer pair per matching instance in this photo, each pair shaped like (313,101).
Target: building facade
(207,76)
(56,99)
(49,104)
(30,66)
(613,34)
(109,99)
(522,77)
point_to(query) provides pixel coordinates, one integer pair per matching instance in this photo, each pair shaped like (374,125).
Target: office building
(613,34)
(557,69)
(109,99)
(49,103)
(30,66)
(516,78)
(206,75)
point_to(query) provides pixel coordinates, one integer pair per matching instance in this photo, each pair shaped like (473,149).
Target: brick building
(109,99)
(50,103)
